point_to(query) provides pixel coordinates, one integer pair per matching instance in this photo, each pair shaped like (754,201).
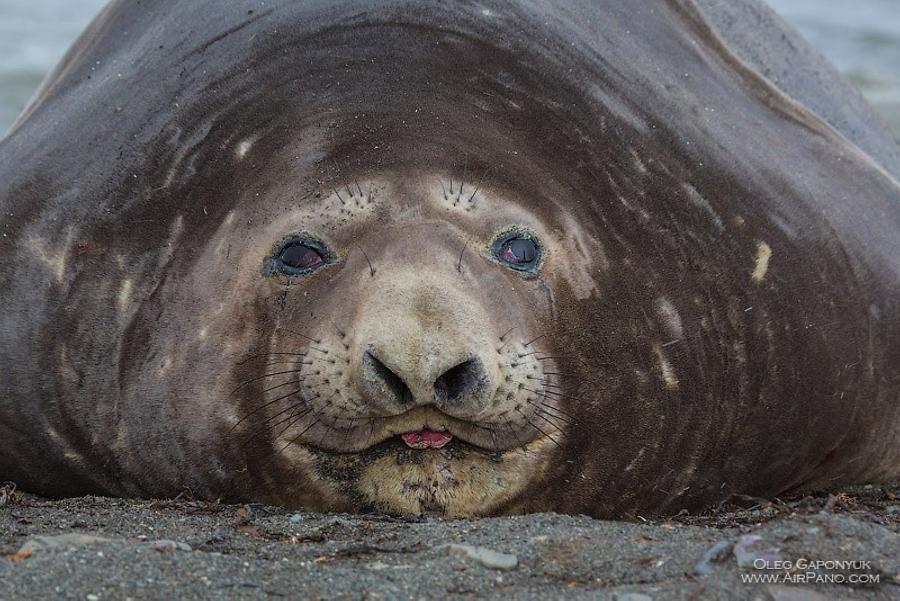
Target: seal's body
(466,258)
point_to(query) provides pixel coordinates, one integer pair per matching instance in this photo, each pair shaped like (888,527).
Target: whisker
(554,412)
(533,425)
(562,413)
(461,253)
(271,363)
(534,340)
(296,438)
(558,395)
(304,336)
(279,373)
(269,354)
(515,433)
(293,418)
(268,428)
(545,416)
(261,407)
(371,269)
(571,375)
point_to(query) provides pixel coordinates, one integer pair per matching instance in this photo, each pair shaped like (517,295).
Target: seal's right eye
(300,257)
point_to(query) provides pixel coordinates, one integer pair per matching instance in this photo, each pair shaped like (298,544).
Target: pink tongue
(426,439)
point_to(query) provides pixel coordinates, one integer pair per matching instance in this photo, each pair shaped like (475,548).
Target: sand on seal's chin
(455,485)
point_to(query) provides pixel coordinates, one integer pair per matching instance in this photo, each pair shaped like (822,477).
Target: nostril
(465,378)
(389,379)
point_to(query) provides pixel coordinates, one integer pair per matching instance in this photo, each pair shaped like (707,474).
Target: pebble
(60,541)
(296,518)
(717,552)
(167,546)
(790,593)
(748,557)
(487,557)
(632,597)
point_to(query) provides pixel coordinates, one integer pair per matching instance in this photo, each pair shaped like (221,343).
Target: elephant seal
(460,258)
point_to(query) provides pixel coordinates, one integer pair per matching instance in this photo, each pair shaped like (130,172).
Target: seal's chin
(426,470)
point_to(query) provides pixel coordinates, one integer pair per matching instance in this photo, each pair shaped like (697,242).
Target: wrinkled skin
(715,308)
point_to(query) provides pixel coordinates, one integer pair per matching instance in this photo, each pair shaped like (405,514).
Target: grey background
(861,37)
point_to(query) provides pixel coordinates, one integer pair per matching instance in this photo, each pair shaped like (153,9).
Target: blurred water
(861,37)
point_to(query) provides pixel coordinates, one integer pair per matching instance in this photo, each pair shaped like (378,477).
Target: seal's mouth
(416,431)
(426,439)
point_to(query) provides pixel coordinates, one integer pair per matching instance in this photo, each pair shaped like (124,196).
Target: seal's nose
(460,381)
(407,384)
(380,379)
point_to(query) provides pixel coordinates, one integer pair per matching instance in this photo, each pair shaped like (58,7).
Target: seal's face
(397,356)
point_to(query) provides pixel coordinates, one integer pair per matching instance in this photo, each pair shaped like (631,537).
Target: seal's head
(396,352)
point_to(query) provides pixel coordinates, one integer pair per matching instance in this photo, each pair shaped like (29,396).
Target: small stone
(167,546)
(717,552)
(791,593)
(296,518)
(61,541)
(632,597)
(749,555)
(487,557)
(341,522)
(92,598)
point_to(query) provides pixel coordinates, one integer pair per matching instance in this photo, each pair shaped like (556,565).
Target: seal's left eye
(518,251)
(299,257)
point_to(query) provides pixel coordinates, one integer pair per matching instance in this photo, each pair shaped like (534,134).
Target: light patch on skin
(52,433)
(619,108)
(784,226)
(73,456)
(636,460)
(585,258)
(700,202)
(243,147)
(669,316)
(55,260)
(165,366)
(638,162)
(641,212)
(665,368)
(761,267)
(168,250)
(124,296)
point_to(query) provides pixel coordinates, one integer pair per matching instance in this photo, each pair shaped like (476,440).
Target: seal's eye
(518,251)
(299,257)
